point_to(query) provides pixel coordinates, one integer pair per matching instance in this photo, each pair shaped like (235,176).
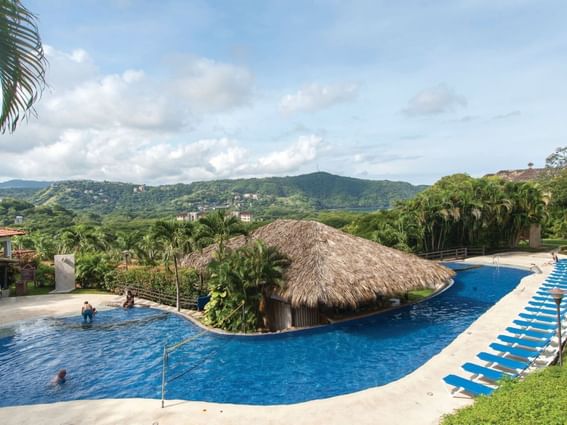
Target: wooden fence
(160,297)
(453,254)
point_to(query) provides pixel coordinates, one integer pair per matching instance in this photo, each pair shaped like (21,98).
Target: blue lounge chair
(531,334)
(546,304)
(470,387)
(523,342)
(539,318)
(535,325)
(503,361)
(486,372)
(546,311)
(516,352)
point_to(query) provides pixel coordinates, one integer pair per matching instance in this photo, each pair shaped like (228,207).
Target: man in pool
(60,377)
(87,311)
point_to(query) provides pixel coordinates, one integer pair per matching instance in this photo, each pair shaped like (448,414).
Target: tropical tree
(22,63)
(127,244)
(243,279)
(175,239)
(218,227)
(92,269)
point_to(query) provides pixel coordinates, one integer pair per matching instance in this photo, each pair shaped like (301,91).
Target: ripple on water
(120,354)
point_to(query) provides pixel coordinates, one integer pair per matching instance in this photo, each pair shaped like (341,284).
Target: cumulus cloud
(130,126)
(210,86)
(314,97)
(434,100)
(123,155)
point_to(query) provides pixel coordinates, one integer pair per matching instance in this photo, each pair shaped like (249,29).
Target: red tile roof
(5,231)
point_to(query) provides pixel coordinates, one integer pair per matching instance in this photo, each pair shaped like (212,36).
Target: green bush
(45,275)
(155,280)
(540,399)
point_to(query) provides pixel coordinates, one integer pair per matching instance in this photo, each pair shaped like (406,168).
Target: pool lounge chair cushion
(502,361)
(517,352)
(522,341)
(486,372)
(471,387)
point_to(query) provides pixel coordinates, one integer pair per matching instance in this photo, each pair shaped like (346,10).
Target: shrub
(155,280)
(45,275)
(538,399)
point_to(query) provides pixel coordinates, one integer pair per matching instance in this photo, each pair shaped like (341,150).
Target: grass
(32,290)
(538,399)
(419,294)
(554,242)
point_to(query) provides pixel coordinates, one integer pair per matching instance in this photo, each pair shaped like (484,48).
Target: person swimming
(60,377)
(87,311)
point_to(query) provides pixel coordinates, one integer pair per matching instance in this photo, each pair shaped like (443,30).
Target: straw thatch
(334,268)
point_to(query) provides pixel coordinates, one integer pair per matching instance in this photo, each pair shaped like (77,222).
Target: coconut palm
(218,227)
(175,239)
(22,63)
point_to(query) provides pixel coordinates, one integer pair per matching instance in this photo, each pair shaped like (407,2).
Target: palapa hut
(332,269)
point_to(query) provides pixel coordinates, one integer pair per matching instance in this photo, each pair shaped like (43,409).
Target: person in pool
(129,303)
(87,311)
(60,377)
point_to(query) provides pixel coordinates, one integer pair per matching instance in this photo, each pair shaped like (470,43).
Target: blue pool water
(120,354)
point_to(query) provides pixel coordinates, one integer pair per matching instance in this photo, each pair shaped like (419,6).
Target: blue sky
(169,91)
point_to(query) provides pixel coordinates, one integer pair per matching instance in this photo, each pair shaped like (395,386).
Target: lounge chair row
(531,333)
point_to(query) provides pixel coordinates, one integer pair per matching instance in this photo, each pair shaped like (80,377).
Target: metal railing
(160,297)
(453,254)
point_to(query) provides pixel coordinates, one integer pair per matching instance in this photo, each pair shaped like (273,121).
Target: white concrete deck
(419,398)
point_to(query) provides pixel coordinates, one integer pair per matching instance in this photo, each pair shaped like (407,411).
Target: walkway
(419,398)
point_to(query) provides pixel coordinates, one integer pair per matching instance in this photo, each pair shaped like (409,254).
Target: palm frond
(22,64)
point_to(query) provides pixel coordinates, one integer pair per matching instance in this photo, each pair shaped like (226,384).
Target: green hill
(268,197)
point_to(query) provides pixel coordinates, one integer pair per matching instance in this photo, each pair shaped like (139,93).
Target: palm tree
(218,227)
(22,63)
(127,243)
(176,239)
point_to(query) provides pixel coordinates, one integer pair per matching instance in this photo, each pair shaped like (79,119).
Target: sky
(168,91)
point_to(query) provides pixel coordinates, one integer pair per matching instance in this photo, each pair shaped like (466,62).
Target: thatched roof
(334,268)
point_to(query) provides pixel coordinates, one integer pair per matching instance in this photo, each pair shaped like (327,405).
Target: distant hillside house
(331,270)
(190,216)
(245,216)
(19,219)
(522,175)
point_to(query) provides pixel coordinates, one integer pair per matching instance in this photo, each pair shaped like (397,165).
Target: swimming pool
(119,356)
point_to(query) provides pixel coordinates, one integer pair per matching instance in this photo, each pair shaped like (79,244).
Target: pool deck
(420,398)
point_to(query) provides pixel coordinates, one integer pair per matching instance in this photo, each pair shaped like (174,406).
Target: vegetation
(22,63)
(239,281)
(538,399)
(267,198)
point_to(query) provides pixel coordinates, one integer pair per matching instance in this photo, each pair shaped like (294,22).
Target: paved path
(419,398)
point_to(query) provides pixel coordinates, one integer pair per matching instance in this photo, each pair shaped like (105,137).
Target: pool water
(120,354)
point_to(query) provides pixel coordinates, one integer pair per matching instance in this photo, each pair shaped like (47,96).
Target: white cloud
(434,100)
(210,86)
(314,97)
(132,156)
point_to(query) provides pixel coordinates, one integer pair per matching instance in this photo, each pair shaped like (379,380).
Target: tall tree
(22,63)
(218,227)
(175,239)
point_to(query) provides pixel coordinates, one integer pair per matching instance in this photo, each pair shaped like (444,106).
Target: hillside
(268,197)
(24,184)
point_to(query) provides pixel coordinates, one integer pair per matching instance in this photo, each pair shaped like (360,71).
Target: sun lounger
(536,325)
(541,310)
(546,304)
(522,341)
(517,352)
(532,334)
(540,318)
(503,361)
(485,372)
(470,387)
